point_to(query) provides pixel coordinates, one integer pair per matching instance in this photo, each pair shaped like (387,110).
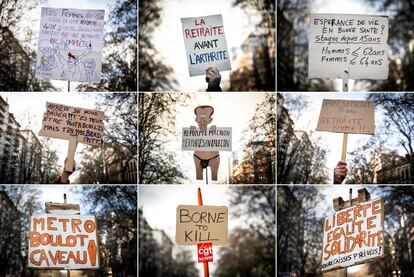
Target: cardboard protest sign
(61,122)
(63,242)
(200,224)
(348,46)
(59,208)
(207,140)
(70,45)
(347,116)
(205,252)
(205,44)
(353,235)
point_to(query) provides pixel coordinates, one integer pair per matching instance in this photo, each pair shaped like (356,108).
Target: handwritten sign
(348,46)
(353,235)
(205,252)
(205,44)
(61,121)
(347,116)
(200,224)
(70,45)
(209,140)
(63,242)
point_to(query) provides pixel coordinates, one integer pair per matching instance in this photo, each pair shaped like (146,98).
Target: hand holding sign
(205,44)
(73,124)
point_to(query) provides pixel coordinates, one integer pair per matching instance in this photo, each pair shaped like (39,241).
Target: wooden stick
(200,203)
(64,201)
(71,153)
(200,197)
(345,82)
(68,86)
(344,144)
(206,175)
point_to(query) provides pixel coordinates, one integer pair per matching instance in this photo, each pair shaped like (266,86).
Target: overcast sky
(34,104)
(332,142)
(169,41)
(227,113)
(32,21)
(159,205)
(343,7)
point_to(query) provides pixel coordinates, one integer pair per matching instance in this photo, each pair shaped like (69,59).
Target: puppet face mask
(203,118)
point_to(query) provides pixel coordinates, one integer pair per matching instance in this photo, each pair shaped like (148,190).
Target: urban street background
(301,211)
(162,115)
(307,156)
(293,37)
(115,208)
(251,247)
(26,158)
(19,31)
(249,26)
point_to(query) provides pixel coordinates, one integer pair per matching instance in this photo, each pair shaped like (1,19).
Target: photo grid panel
(69,138)
(345,170)
(207,138)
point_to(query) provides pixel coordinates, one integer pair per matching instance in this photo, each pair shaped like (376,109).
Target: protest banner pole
(71,153)
(345,87)
(206,176)
(344,144)
(200,203)
(65,202)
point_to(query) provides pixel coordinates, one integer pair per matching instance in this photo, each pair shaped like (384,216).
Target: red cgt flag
(205,252)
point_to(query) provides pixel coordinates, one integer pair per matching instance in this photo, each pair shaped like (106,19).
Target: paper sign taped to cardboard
(347,116)
(200,224)
(353,235)
(61,122)
(209,140)
(63,242)
(348,46)
(70,45)
(205,44)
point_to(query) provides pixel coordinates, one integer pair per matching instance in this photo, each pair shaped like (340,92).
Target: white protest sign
(348,46)
(63,242)
(199,224)
(209,140)
(353,235)
(61,122)
(70,45)
(347,116)
(205,44)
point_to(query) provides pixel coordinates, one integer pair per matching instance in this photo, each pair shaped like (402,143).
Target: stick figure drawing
(47,59)
(70,65)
